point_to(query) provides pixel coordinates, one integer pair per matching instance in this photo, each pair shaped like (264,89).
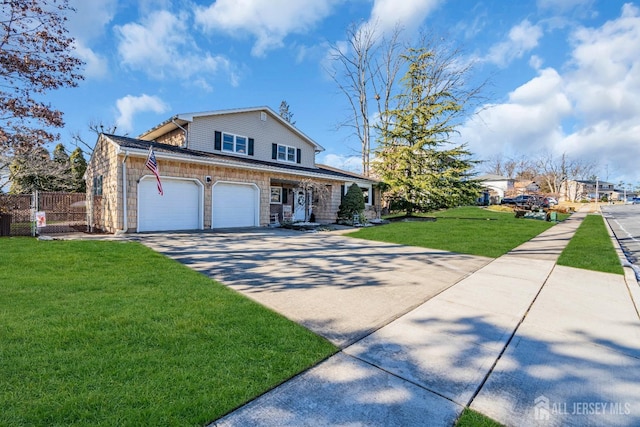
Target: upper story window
(234,143)
(285,153)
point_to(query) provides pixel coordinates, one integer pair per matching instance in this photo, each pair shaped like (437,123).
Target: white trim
(125,221)
(256,219)
(200,197)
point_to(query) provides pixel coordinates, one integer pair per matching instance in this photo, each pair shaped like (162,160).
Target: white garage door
(178,209)
(234,205)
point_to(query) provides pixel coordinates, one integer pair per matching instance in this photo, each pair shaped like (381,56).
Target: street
(625,223)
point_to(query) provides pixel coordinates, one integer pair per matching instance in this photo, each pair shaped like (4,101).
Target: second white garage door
(235,205)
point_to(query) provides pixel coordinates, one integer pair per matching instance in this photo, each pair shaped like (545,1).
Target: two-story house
(231,168)
(577,190)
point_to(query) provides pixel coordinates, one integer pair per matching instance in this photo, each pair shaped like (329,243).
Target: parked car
(508,201)
(523,200)
(547,202)
(636,200)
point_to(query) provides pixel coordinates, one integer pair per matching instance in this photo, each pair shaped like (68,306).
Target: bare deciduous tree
(96,127)
(364,69)
(554,172)
(317,195)
(36,56)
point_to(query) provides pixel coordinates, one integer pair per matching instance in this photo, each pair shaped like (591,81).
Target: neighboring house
(525,187)
(231,168)
(495,187)
(578,190)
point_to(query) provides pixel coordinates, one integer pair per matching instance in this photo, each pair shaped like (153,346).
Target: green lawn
(469,230)
(112,333)
(591,248)
(471,418)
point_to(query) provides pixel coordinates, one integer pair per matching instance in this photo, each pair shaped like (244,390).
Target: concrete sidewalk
(522,340)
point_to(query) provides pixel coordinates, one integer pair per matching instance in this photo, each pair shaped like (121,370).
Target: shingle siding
(109,215)
(175,137)
(106,215)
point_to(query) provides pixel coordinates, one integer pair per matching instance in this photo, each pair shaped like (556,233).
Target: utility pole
(597,195)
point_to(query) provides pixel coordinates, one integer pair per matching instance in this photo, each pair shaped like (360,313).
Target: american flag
(152,165)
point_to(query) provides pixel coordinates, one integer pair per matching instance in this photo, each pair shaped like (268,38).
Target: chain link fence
(56,212)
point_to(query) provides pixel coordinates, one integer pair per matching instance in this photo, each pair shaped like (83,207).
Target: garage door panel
(178,209)
(234,205)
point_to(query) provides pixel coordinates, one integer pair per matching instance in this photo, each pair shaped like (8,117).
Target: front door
(299,206)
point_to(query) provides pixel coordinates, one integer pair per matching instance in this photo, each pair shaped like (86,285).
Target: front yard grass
(591,248)
(112,333)
(469,230)
(471,418)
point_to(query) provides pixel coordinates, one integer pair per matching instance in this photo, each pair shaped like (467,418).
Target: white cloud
(160,46)
(95,65)
(564,5)
(522,38)
(407,13)
(591,110)
(348,163)
(88,23)
(605,79)
(269,21)
(131,105)
(532,116)
(91,18)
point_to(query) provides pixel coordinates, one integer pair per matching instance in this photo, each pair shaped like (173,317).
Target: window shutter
(274,151)
(285,193)
(250,149)
(217,140)
(298,155)
(342,188)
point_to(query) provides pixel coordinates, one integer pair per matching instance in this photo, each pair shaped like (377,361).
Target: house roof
(591,182)
(493,177)
(175,122)
(171,152)
(349,173)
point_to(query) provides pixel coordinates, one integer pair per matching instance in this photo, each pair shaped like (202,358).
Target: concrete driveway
(339,287)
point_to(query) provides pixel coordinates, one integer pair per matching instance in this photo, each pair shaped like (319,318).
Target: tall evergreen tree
(61,172)
(285,113)
(78,168)
(423,169)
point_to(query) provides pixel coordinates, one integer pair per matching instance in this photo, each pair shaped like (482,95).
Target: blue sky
(565,74)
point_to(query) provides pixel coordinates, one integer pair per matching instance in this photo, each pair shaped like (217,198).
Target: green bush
(352,204)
